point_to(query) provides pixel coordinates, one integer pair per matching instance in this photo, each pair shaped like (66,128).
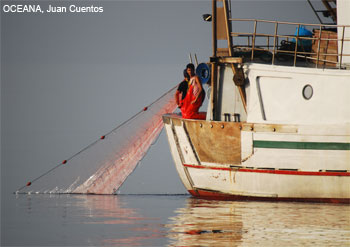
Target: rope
(93,143)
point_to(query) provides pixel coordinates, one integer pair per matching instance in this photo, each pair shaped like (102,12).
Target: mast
(221,30)
(214,65)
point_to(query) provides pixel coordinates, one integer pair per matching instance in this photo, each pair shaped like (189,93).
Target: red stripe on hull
(284,172)
(213,195)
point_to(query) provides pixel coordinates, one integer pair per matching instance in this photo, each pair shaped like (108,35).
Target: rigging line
(39,177)
(163,95)
(93,143)
(140,111)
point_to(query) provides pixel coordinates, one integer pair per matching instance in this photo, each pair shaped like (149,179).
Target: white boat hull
(268,162)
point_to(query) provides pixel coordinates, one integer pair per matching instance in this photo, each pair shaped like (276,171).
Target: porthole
(308,91)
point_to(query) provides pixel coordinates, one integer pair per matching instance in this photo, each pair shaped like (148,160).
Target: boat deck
(299,44)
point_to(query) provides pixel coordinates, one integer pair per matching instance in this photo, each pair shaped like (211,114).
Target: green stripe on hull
(302,145)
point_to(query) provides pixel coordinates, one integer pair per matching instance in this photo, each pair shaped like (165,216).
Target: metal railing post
(253,42)
(342,47)
(274,43)
(296,46)
(319,46)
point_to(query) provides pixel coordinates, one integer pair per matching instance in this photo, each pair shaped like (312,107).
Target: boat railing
(321,47)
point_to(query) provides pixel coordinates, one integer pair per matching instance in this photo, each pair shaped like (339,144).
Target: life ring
(203,72)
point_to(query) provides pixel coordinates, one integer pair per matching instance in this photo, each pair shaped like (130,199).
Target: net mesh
(103,166)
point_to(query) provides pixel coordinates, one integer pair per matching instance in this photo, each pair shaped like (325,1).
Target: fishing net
(103,166)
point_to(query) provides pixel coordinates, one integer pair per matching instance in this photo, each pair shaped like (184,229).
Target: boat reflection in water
(169,220)
(205,223)
(227,223)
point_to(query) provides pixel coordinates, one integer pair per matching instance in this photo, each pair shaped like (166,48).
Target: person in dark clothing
(182,90)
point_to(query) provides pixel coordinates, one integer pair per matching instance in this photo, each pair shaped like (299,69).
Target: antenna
(195,57)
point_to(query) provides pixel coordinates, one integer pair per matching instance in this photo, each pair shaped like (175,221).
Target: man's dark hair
(186,75)
(190,66)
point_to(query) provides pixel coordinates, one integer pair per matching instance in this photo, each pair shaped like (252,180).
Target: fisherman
(182,90)
(194,97)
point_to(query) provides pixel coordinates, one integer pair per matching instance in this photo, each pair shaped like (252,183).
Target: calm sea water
(168,220)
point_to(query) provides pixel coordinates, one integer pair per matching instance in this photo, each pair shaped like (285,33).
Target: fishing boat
(277,125)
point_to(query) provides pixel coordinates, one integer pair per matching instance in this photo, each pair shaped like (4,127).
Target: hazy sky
(68,78)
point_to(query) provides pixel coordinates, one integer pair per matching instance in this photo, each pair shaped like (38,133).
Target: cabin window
(308,92)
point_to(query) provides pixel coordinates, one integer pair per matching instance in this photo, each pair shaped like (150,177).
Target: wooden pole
(237,74)
(214,91)
(214,36)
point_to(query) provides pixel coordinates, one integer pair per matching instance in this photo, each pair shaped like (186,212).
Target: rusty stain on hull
(216,142)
